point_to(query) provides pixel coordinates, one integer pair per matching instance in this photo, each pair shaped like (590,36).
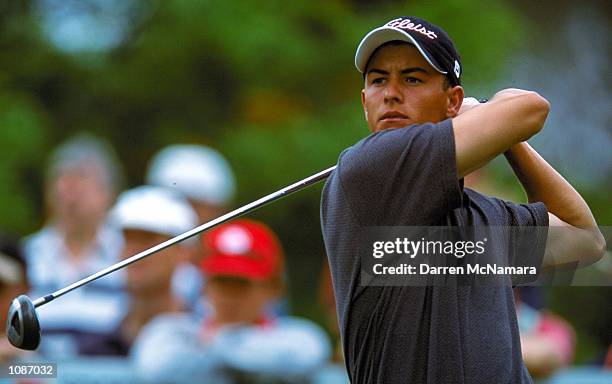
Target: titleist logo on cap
(407,24)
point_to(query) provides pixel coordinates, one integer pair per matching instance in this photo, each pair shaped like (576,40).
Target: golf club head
(22,326)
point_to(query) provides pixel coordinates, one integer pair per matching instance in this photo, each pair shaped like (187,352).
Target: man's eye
(413,80)
(377,81)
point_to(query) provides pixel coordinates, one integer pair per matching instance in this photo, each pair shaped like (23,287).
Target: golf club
(22,325)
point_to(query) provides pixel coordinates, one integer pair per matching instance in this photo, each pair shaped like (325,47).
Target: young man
(238,342)
(409,172)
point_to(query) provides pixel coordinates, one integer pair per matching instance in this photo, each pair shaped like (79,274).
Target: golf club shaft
(219,220)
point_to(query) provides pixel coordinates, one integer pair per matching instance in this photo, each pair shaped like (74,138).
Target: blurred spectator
(335,371)
(198,172)
(238,342)
(328,302)
(12,284)
(205,178)
(547,340)
(148,216)
(81,182)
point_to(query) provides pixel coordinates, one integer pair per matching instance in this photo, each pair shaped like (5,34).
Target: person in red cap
(238,339)
(244,269)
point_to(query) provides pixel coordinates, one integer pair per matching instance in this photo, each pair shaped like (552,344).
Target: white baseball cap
(200,173)
(154,209)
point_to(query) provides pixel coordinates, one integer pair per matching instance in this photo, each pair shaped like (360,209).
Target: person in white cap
(148,216)
(200,173)
(205,178)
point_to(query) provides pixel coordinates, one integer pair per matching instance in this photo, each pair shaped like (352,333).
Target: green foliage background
(269,83)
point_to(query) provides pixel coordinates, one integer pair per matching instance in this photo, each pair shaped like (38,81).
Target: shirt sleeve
(404,176)
(529,230)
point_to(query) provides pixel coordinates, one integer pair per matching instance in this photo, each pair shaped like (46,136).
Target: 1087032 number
(30,370)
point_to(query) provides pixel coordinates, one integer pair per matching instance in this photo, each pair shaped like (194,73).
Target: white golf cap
(200,173)
(431,41)
(154,209)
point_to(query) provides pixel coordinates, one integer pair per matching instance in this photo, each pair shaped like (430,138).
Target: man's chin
(384,125)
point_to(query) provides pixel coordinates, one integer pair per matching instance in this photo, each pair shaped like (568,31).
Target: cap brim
(380,36)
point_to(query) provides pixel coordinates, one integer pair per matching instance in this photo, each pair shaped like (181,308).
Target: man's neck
(78,239)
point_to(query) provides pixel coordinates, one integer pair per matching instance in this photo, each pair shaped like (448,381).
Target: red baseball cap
(242,248)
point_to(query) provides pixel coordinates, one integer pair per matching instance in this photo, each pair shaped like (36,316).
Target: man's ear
(365,111)
(455,99)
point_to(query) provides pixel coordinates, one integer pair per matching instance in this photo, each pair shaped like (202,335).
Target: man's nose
(393,92)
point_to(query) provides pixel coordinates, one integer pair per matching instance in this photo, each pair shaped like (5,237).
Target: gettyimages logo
(413,248)
(478,256)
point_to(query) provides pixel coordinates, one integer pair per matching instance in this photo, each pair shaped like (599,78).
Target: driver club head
(22,326)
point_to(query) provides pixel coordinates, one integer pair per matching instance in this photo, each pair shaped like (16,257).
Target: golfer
(409,172)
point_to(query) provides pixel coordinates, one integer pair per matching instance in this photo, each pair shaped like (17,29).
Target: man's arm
(290,347)
(501,126)
(574,237)
(482,133)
